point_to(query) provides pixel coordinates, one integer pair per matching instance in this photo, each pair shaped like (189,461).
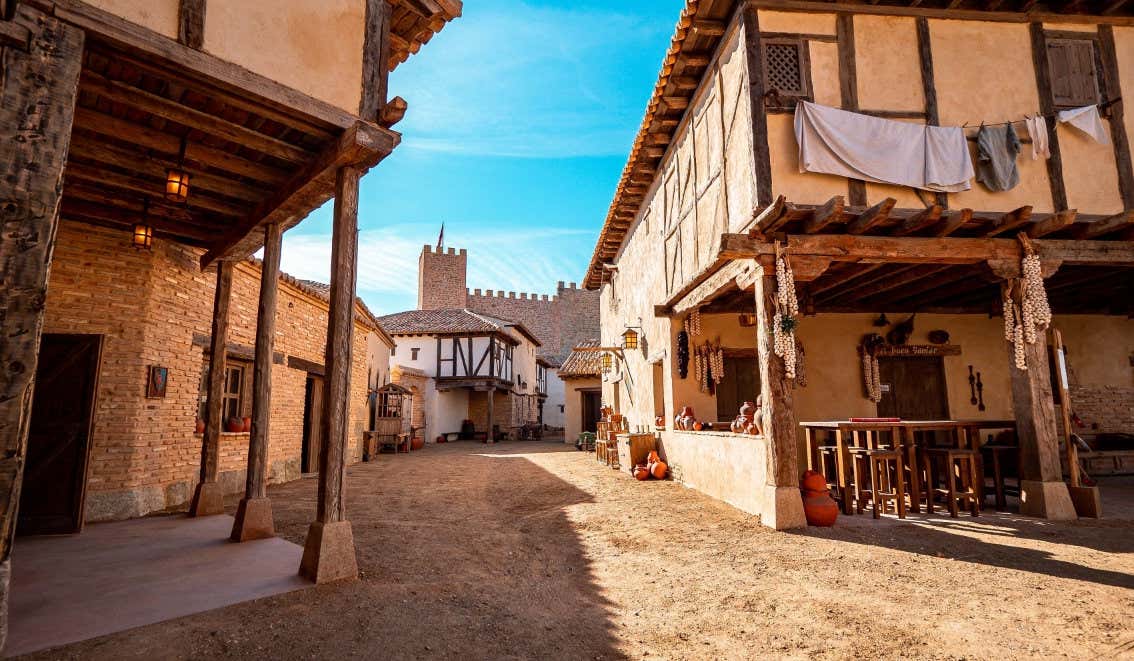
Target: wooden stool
(995,453)
(887,484)
(957,463)
(827,465)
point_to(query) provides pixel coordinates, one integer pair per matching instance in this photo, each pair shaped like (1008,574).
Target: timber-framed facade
(198,124)
(713,184)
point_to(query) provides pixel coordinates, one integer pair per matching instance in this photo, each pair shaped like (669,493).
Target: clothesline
(1052,115)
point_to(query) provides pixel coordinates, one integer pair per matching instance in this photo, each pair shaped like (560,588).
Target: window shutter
(787,69)
(1074,79)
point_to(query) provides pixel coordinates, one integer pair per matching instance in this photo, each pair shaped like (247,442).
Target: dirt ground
(535,551)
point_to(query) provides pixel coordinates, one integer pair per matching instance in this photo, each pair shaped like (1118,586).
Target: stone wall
(1103,409)
(560,321)
(155,308)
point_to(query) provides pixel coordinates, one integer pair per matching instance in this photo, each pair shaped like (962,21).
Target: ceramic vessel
(818,506)
(234,425)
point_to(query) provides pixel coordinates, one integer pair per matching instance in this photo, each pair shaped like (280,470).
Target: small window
(233,391)
(413,353)
(1074,74)
(787,72)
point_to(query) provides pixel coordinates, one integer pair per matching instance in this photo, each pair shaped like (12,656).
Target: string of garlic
(787,309)
(1023,323)
(1018,340)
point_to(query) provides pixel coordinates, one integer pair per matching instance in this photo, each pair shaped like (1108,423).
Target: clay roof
(582,364)
(414,22)
(450,321)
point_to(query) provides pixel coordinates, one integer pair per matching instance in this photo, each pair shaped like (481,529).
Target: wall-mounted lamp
(607,363)
(143,237)
(630,339)
(177,179)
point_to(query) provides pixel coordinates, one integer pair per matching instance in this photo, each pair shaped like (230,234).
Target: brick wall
(441,279)
(1103,408)
(148,306)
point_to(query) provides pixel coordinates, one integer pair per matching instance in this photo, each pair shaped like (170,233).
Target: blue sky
(521,116)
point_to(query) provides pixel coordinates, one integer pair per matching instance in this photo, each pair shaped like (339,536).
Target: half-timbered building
(480,370)
(197,131)
(715,190)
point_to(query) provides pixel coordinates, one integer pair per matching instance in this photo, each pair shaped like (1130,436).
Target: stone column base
(1046,500)
(783,508)
(328,553)
(208,499)
(253,520)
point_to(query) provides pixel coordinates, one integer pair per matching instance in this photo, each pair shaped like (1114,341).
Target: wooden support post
(491,394)
(375,60)
(38,87)
(761,151)
(848,91)
(1042,490)
(1086,500)
(328,553)
(783,505)
(254,514)
(208,499)
(191,23)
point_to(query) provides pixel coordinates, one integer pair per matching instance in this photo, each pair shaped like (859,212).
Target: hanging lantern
(630,339)
(177,179)
(143,237)
(607,363)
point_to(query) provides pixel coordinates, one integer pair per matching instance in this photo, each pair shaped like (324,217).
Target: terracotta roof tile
(582,364)
(449,321)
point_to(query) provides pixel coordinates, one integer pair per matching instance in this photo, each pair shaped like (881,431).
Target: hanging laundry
(1037,129)
(997,149)
(1087,120)
(848,144)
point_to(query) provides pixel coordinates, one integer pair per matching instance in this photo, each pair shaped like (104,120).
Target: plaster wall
(573,406)
(725,466)
(314,47)
(554,408)
(161,16)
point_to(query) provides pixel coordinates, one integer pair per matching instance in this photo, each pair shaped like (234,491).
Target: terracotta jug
(658,469)
(200,427)
(818,506)
(659,421)
(641,473)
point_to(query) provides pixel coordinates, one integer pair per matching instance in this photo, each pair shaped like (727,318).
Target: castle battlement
(501,294)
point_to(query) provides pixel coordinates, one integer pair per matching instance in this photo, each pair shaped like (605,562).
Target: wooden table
(966,434)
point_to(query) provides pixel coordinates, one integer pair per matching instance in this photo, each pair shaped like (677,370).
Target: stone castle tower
(441,279)
(560,321)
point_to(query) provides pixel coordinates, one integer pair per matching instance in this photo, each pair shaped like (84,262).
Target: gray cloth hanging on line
(997,149)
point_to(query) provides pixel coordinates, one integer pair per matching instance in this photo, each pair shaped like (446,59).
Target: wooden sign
(912,350)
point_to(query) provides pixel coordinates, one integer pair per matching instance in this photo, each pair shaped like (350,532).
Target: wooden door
(312,424)
(592,402)
(913,388)
(55,475)
(741,383)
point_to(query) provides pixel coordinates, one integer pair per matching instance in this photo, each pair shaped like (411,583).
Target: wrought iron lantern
(177,179)
(630,339)
(143,236)
(607,362)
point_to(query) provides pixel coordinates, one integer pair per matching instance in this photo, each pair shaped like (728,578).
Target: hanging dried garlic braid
(787,309)
(1023,323)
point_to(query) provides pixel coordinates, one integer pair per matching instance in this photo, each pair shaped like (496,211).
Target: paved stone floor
(117,576)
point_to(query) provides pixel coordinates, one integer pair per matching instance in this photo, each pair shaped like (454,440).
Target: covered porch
(862,273)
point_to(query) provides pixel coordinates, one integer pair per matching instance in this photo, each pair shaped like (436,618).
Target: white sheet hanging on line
(1087,120)
(848,144)
(1037,129)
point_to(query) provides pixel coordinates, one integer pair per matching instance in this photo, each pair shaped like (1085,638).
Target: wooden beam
(950,12)
(144,136)
(361,145)
(925,250)
(38,88)
(825,215)
(375,60)
(191,23)
(105,215)
(953,221)
(709,28)
(1010,221)
(208,498)
(929,85)
(328,551)
(1100,228)
(872,217)
(848,91)
(254,513)
(113,90)
(1053,223)
(716,284)
(102,177)
(1047,107)
(771,218)
(1112,89)
(921,220)
(761,150)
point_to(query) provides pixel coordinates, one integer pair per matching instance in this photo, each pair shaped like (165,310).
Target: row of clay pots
(654,467)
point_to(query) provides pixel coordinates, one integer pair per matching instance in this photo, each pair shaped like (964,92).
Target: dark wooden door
(55,476)
(741,383)
(312,424)
(592,402)
(913,388)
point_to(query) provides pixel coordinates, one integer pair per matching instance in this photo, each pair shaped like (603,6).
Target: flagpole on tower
(441,238)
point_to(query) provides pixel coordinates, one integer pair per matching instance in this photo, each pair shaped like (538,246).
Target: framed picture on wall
(157,381)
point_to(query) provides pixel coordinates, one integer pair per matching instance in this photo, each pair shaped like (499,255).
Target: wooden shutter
(787,71)
(1074,76)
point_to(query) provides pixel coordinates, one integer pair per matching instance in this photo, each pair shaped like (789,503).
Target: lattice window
(787,71)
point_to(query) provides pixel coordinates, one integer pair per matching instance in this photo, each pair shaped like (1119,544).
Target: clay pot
(741,424)
(659,421)
(200,427)
(813,481)
(247,425)
(439,439)
(698,425)
(418,443)
(234,425)
(641,473)
(819,508)
(748,409)
(658,469)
